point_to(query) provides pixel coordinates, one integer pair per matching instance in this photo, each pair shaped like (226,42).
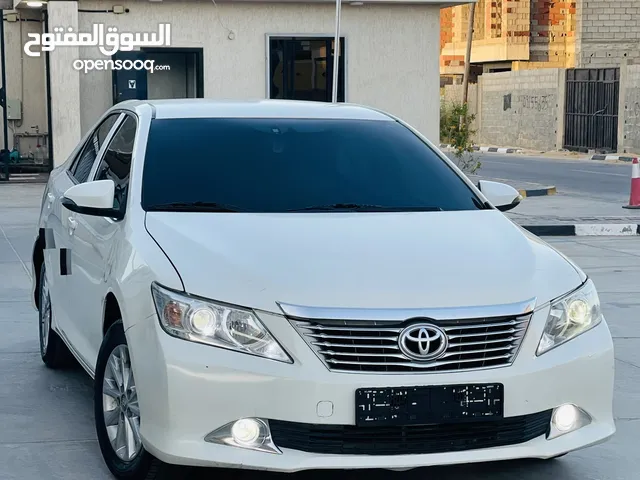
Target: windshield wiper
(193,207)
(354,207)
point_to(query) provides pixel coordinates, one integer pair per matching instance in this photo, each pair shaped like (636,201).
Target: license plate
(427,405)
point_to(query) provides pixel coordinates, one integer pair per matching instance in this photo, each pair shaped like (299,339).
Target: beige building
(232,50)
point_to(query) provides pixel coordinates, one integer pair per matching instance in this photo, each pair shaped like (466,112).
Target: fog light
(249,433)
(567,418)
(246,431)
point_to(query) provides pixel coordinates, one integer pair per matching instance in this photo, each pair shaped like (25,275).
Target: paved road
(596,179)
(46,417)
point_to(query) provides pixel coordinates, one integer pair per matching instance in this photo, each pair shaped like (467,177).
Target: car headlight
(204,321)
(571,316)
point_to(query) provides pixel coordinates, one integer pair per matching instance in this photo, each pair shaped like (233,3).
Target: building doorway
(180,75)
(183,79)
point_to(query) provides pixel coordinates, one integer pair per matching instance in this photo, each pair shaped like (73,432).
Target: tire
(53,351)
(130,463)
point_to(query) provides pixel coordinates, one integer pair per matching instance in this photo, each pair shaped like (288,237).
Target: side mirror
(500,195)
(92,198)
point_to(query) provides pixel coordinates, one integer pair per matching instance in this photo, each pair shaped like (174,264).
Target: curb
(538,192)
(447,146)
(497,150)
(585,229)
(13,181)
(622,158)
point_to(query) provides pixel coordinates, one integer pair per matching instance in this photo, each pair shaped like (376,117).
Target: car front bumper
(187,390)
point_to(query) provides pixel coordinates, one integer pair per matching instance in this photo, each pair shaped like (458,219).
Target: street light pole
(3,98)
(336,54)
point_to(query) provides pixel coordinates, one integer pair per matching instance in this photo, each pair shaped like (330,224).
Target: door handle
(73,223)
(50,198)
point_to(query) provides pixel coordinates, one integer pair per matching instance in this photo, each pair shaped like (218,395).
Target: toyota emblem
(422,342)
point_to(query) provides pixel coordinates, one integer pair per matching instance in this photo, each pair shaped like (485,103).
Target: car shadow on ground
(507,470)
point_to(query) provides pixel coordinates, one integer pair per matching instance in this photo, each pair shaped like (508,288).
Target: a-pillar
(64,84)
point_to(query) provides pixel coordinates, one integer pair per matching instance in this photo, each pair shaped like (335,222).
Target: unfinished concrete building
(525,34)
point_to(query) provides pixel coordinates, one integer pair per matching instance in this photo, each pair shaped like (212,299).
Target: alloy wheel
(120,405)
(45,317)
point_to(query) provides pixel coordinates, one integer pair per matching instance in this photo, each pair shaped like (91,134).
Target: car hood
(361,260)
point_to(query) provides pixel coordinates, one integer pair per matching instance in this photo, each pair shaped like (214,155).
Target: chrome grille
(372,346)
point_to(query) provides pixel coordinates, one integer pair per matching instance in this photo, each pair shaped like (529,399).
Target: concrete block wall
(518,21)
(609,33)
(453,94)
(446,26)
(630,115)
(448,35)
(497,18)
(521,108)
(553,33)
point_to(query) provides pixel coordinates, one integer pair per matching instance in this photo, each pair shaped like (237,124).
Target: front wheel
(117,414)
(53,351)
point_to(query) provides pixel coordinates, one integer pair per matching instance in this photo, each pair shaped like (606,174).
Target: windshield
(285,165)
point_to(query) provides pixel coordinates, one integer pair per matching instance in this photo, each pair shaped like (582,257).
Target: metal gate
(591,109)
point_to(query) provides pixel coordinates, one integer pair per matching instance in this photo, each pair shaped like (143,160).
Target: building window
(301,68)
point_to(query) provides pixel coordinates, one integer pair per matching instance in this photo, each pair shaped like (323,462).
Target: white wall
(65,84)
(391,50)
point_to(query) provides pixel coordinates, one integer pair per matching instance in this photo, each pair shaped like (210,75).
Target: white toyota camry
(283,286)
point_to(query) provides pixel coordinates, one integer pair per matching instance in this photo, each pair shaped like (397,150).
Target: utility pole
(336,54)
(47,67)
(467,58)
(3,98)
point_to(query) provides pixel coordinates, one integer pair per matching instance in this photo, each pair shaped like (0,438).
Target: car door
(59,228)
(96,240)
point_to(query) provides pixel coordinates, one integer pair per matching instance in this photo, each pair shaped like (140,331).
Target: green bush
(455,130)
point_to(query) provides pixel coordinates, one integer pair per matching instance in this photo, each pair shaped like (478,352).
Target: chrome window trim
(403,314)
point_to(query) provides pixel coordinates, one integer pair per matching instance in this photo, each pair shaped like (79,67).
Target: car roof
(207,108)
